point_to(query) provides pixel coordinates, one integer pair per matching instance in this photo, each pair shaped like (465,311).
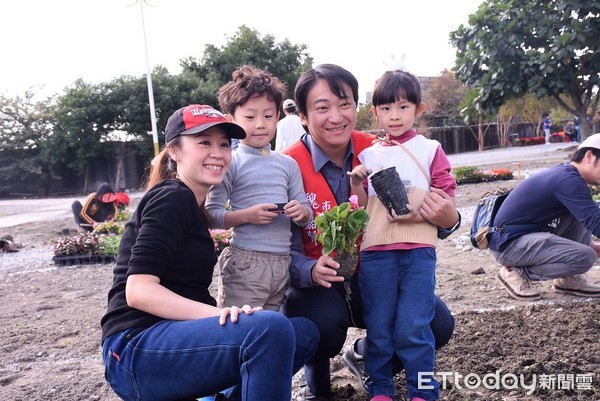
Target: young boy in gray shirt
(265,194)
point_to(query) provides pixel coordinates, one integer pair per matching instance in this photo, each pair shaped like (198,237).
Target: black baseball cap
(196,118)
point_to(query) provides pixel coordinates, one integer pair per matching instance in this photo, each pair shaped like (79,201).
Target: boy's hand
(296,211)
(358,174)
(261,213)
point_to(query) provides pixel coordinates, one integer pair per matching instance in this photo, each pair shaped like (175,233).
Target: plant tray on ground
(71,260)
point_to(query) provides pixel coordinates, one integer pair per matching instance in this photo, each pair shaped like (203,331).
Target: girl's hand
(358,174)
(411,217)
(234,312)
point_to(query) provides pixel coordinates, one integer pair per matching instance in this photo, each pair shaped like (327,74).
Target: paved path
(19,211)
(509,155)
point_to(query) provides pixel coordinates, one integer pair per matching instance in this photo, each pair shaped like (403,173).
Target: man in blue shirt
(560,200)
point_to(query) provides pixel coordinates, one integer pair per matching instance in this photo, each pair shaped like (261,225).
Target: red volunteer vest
(317,190)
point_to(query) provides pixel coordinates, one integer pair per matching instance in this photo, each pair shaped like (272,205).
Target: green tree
(365,121)
(75,123)
(127,99)
(443,98)
(473,114)
(548,48)
(284,60)
(24,132)
(82,120)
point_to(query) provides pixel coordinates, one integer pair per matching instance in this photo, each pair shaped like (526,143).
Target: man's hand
(438,209)
(596,247)
(324,272)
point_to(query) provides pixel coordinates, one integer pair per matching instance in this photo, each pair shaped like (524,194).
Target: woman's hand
(235,311)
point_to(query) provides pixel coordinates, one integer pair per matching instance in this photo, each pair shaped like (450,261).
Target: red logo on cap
(197,115)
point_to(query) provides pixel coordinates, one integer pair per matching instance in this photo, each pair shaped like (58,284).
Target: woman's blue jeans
(398,293)
(183,359)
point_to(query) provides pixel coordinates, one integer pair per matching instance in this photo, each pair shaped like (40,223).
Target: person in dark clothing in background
(558,206)
(99,207)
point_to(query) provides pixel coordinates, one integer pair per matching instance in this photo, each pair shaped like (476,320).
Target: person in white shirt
(289,128)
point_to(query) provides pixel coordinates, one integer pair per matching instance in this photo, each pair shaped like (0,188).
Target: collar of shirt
(410,134)
(250,150)
(336,177)
(319,158)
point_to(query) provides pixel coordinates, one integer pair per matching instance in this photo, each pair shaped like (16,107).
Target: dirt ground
(49,325)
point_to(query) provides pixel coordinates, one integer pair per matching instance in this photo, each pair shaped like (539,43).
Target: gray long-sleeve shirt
(258,176)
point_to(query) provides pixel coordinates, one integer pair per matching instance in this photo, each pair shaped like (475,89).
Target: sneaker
(383,398)
(304,393)
(356,365)
(216,397)
(516,284)
(579,285)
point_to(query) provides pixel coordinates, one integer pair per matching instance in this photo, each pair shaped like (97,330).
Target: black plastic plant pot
(390,190)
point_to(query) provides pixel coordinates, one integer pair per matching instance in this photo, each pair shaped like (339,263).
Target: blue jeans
(398,293)
(328,309)
(184,359)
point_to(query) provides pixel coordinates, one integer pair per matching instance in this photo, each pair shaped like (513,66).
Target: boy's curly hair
(246,83)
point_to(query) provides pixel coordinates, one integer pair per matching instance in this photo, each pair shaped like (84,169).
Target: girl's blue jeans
(398,293)
(185,359)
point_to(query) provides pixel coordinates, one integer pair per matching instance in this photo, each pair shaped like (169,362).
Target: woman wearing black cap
(163,337)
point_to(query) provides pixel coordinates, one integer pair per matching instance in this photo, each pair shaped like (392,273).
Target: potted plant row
(99,246)
(473,174)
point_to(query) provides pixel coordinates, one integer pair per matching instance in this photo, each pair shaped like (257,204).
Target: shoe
(304,393)
(216,397)
(7,246)
(356,365)
(516,284)
(383,398)
(579,285)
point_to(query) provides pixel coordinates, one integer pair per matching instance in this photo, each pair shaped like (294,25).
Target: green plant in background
(501,174)
(88,244)
(109,244)
(468,174)
(595,191)
(221,239)
(473,174)
(123,216)
(109,227)
(339,228)
(82,244)
(122,201)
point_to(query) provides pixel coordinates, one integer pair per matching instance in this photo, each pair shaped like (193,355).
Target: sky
(48,44)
